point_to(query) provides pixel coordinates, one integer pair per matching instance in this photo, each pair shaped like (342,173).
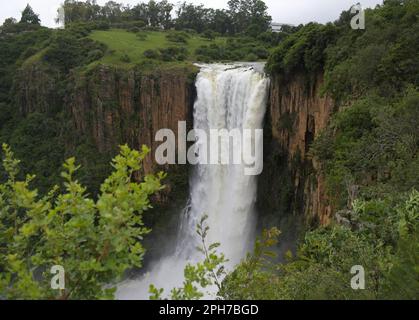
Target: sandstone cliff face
(296,115)
(109,106)
(125,106)
(128,106)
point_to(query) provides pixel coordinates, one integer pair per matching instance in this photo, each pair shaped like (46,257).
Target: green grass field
(121,42)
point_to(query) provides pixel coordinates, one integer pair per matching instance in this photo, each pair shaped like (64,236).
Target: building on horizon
(277,27)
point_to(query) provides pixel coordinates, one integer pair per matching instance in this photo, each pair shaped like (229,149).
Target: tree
(153,12)
(9,22)
(112,11)
(140,12)
(72,11)
(193,17)
(245,13)
(95,241)
(29,16)
(165,14)
(221,22)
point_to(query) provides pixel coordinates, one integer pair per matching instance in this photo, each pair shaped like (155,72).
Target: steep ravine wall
(115,106)
(110,106)
(291,182)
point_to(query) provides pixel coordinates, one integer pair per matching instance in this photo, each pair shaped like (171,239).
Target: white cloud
(286,11)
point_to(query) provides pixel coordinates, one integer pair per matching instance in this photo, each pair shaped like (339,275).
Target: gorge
(109,105)
(80,185)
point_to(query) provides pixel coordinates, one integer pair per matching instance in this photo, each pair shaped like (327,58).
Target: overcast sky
(284,11)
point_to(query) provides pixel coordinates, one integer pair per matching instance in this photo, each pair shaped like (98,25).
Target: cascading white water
(228,97)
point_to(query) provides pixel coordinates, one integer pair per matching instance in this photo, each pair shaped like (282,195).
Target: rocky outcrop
(107,106)
(292,181)
(126,106)
(115,106)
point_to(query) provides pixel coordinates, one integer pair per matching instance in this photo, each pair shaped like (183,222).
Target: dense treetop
(29,16)
(240,16)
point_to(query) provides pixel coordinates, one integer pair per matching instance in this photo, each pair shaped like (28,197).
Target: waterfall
(229,97)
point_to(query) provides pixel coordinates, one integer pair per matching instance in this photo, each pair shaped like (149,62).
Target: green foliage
(303,51)
(373,140)
(235,49)
(249,16)
(12,47)
(254,278)
(381,58)
(29,16)
(9,22)
(173,54)
(67,50)
(402,281)
(401,278)
(178,37)
(151,54)
(251,57)
(200,276)
(95,241)
(197,17)
(142,36)
(125,58)
(31,148)
(383,240)
(155,15)
(209,34)
(368,154)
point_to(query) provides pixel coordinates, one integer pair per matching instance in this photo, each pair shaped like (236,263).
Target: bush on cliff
(68,51)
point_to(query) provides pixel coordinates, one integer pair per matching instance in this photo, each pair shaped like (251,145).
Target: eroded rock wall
(292,182)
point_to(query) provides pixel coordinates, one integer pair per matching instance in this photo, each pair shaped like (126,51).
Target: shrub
(102,25)
(151,54)
(29,53)
(178,37)
(261,52)
(173,54)
(134,29)
(67,51)
(142,36)
(209,34)
(82,235)
(251,57)
(125,58)
(95,55)
(202,58)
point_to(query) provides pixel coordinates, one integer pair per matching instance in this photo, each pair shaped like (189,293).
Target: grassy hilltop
(134,45)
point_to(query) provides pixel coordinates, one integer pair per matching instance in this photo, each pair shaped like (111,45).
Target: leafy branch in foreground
(255,275)
(94,241)
(200,276)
